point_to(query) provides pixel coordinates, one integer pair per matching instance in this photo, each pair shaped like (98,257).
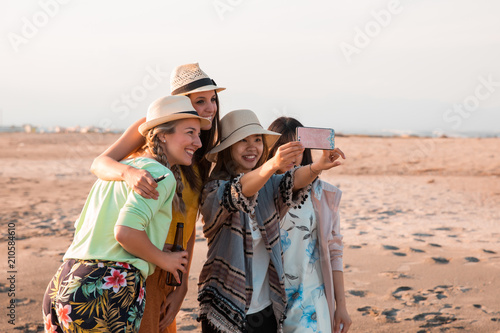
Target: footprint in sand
(440,260)
(368,310)
(397,275)
(396,293)
(472,259)
(389,315)
(422,235)
(392,248)
(441,291)
(359,293)
(188,328)
(434,319)
(24,301)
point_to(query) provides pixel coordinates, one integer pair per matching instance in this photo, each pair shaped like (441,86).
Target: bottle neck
(179,235)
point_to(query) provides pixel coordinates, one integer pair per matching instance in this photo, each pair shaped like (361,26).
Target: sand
(419,219)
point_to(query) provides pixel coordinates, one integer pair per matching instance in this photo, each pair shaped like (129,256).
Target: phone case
(316,138)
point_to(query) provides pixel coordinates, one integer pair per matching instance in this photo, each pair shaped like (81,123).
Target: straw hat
(189,78)
(237,125)
(170,108)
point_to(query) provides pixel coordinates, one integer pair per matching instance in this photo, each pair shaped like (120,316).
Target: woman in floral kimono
(312,251)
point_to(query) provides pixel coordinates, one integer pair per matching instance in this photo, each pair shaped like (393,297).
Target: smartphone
(316,138)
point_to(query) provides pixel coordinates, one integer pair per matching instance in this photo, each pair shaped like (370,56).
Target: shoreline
(365,134)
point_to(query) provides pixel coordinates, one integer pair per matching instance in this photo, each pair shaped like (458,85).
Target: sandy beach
(420,220)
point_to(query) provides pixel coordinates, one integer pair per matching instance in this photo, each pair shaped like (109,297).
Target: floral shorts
(94,295)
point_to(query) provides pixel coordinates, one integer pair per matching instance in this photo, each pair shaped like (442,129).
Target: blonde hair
(153,143)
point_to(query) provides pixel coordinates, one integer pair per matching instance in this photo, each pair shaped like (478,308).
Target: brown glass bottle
(178,241)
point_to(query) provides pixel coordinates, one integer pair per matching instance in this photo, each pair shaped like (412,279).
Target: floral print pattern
(285,241)
(307,308)
(309,318)
(94,296)
(49,328)
(63,314)
(116,280)
(294,295)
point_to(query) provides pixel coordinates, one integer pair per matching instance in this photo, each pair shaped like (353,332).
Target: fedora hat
(170,108)
(237,125)
(189,78)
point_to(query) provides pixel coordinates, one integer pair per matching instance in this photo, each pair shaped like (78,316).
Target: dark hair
(225,168)
(208,140)
(286,126)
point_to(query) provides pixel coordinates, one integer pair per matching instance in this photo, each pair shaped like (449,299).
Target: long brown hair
(208,140)
(155,148)
(287,126)
(225,167)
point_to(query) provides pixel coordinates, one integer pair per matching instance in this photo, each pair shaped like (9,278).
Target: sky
(364,66)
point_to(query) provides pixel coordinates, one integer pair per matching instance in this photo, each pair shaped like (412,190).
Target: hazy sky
(355,66)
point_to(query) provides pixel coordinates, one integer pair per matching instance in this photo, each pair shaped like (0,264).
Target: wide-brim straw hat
(189,78)
(237,125)
(170,108)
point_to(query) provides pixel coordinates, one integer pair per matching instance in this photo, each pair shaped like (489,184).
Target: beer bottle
(178,241)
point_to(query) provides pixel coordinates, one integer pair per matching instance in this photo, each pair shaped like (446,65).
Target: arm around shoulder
(107,166)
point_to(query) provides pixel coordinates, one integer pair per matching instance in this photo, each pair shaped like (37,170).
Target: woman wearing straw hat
(120,235)
(163,301)
(241,285)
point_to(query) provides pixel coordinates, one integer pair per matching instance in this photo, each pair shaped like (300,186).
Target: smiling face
(180,145)
(247,152)
(205,103)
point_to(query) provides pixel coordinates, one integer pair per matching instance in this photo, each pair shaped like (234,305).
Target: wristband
(312,172)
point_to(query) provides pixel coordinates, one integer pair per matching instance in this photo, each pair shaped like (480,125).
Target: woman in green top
(120,235)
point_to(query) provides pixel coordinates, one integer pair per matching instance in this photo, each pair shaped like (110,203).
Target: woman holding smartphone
(312,250)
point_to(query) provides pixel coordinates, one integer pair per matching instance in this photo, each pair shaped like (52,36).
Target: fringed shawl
(225,285)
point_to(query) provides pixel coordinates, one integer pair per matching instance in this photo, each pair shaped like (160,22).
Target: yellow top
(191,199)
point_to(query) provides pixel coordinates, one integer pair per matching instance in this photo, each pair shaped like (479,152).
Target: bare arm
(254,180)
(306,174)
(341,314)
(137,243)
(107,166)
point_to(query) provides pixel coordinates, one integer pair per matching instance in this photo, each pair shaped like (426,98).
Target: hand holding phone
(316,138)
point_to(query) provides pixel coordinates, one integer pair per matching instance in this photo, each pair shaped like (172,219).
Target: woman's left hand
(171,307)
(342,319)
(328,160)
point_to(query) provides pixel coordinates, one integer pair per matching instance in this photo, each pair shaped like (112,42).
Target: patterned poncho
(225,286)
